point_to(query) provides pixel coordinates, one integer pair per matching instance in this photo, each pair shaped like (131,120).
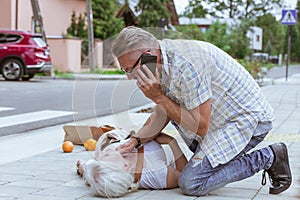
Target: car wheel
(27,77)
(12,69)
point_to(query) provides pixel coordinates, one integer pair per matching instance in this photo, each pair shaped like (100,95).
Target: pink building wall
(57,14)
(7,14)
(24,15)
(66,54)
(17,14)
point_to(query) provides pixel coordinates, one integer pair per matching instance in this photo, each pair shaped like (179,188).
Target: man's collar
(164,56)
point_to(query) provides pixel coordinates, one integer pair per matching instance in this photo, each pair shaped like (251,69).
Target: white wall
(256,36)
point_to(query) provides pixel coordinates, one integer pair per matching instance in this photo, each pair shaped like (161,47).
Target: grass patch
(64,75)
(106,71)
(40,74)
(71,75)
(112,72)
(57,74)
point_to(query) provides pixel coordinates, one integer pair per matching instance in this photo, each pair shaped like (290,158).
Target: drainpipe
(17,15)
(89,12)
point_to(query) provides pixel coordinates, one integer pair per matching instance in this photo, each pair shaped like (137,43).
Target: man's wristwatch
(139,144)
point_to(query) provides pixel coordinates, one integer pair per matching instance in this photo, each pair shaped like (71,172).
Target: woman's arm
(179,157)
(172,177)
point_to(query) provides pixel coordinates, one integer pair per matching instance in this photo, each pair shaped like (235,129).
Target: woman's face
(113,157)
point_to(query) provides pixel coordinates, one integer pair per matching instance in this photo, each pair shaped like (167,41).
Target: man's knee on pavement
(185,184)
(191,186)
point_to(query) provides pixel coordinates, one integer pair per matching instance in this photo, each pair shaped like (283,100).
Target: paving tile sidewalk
(33,165)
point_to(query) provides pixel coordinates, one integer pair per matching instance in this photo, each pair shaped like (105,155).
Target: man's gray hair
(131,38)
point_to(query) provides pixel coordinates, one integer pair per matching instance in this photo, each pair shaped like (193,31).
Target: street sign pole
(288,52)
(289,18)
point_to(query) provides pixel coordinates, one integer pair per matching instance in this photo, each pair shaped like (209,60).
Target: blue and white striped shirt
(194,72)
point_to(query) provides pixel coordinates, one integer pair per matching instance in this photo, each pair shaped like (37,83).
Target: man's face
(130,63)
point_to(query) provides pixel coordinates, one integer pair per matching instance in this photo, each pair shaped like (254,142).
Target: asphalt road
(279,72)
(73,99)
(41,103)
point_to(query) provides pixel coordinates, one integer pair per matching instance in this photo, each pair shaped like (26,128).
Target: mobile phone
(150,61)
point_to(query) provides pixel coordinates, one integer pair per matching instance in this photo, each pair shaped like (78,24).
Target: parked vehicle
(22,55)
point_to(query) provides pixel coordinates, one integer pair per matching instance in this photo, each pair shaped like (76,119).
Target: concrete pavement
(33,165)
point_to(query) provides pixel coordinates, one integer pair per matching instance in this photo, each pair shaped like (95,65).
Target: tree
(268,48)
(81,26)
(194,9)
(273,33)
(295,37)
(217,35)
(238,41)
(191,31)
(151,12)
(104,20)
(72,30)
(241,9)
(295,52)
(78,29)
(232,40)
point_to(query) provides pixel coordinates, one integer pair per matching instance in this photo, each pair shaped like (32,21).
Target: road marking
(6,108)
(31,117)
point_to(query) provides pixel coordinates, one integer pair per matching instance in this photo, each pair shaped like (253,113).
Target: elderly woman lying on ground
(112,174)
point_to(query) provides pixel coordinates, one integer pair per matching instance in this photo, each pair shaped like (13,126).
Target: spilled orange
(90,144)
(67,147)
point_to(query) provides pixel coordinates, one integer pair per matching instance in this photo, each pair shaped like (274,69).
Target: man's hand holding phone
(148,79)
(149,61)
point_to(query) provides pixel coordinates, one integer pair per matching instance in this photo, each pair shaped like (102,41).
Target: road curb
(54,134)
(85,77)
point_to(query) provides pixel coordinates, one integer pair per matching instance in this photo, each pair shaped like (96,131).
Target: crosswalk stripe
(31,117)
(6,108)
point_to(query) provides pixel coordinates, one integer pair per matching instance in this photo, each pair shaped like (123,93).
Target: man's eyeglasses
(130,70)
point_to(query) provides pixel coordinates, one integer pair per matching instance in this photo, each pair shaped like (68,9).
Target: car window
(40,42)
(13,38)
(2,38)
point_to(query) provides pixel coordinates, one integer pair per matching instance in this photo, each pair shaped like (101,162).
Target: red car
(22,55)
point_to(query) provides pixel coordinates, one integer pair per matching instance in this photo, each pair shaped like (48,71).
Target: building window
(257,38)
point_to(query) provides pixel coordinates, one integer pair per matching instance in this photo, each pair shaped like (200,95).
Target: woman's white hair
(106,180)
(132,38)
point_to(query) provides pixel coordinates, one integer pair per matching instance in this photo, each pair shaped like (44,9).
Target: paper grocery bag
(79,134)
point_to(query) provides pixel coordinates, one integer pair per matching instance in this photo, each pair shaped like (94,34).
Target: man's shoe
(279,173)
